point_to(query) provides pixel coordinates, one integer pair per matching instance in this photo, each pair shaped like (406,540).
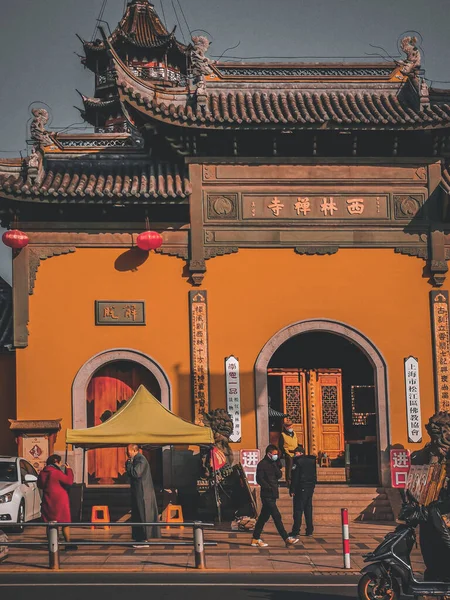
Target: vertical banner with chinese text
(198,313)
(233,390)
(441,347)
(412,390)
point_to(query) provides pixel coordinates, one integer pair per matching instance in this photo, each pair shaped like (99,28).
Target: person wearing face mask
(268,473)
(288,444)
(304,479)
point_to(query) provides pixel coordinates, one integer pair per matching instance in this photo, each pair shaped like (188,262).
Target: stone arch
(87,371)
(364,344)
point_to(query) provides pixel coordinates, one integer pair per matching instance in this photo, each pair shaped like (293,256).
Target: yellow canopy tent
(142,420)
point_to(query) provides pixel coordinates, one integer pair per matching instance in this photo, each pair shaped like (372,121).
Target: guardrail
(53,544)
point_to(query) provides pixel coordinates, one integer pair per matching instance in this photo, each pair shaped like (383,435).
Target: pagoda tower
(147,48)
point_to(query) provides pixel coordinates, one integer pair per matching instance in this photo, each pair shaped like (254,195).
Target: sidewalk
(320,554)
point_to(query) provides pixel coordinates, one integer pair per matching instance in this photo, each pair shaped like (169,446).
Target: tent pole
(216,488)
(82,484)
(66,454)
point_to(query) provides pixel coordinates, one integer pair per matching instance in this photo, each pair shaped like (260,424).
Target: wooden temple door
(326,420)
(294,403)
(108,389)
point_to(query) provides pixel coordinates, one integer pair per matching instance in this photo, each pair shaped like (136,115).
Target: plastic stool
(173,513)
(100,514)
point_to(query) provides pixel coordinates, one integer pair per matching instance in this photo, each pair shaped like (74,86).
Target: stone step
(331,489)
(341,502)
(365,504)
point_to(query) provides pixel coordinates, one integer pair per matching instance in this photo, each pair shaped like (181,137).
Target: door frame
(79,404)
(364,344)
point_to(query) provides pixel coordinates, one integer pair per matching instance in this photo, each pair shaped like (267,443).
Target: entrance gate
(313,400)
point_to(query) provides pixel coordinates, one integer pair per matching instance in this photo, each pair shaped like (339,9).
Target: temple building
(304,213)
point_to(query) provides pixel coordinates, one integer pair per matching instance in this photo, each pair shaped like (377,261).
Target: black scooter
(390,569)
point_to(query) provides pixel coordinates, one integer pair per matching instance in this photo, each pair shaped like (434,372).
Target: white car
(20,500)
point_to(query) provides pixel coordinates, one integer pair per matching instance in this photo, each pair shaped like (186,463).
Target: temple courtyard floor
(320,554)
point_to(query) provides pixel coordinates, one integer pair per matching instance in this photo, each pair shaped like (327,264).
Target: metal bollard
(199,548)
(345,538)
(53,546)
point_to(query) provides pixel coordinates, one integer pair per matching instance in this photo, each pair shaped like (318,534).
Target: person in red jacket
(55,485)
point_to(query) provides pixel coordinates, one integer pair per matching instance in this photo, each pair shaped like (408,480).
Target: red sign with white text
(249,462)
(400,465)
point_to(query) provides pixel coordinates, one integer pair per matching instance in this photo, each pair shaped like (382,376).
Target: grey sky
(38,45)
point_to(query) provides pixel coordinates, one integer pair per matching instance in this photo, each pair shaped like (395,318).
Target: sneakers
(291,541)
(141,545)
(259,544)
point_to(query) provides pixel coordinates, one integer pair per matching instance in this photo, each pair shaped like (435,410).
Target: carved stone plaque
(407,206)
(222,206)
(111,312)
(315,206)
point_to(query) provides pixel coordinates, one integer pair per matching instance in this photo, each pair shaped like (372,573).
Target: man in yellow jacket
(288,444)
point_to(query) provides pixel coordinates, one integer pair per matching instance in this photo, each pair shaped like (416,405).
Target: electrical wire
(163,13)
(99,18)
(179,24)
(184,17)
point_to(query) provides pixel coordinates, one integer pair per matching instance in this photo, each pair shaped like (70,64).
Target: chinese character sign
(233,391)
(412,390)
(400,465)
(314,206)
(249,462)
(109,312)
(441,344)
(199,354)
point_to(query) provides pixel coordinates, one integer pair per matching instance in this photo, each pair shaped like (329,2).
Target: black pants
(288,460)
(269,509)
(303,505)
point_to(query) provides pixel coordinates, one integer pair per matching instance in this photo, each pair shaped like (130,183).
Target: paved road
(171,586)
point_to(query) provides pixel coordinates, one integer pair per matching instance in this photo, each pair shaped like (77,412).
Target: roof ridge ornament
(38,132)
(413,56)
(201,66)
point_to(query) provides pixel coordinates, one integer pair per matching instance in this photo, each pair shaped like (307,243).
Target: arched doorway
(332,380)
(120,371)
(110,387)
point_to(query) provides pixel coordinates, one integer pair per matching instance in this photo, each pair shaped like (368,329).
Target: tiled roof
(6,315)
(141,27)
(95,103)
(65,181)
(299,109)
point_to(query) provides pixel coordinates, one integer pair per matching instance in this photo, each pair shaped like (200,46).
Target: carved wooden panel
(331,423)
(313,400)
(294,404)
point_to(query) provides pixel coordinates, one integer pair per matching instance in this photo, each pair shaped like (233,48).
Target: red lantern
(15,239)
(149,240)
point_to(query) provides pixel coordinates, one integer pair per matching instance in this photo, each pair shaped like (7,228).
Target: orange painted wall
(251,295)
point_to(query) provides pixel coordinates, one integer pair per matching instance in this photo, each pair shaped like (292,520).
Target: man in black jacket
(304,479)
(268,473)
